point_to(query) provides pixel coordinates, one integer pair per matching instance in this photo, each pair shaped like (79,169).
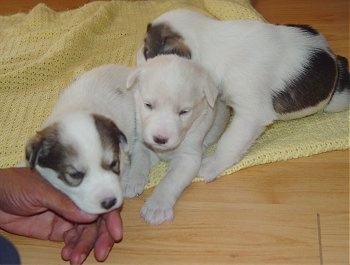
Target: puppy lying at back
(96,134)
(265,72)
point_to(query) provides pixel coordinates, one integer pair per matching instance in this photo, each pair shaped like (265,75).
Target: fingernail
(105,254)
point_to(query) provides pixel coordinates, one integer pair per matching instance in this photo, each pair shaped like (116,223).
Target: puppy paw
(208,170)
(133,187)
(156,211)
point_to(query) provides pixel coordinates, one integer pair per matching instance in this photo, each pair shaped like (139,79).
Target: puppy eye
(183,112)
(74,178)
(77,175)
(148,106)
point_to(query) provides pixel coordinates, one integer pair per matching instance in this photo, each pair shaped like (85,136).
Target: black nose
(108,203)
(160,140)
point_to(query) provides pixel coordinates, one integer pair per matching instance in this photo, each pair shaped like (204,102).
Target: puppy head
(171,93)
(162,39)
(170,33)
(82,155)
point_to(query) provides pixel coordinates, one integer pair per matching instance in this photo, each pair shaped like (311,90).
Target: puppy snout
(108,203)
(160,139)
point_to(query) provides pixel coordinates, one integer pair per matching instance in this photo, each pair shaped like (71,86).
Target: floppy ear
(123,142)
(133,78)
(32,150)
(41,144)
(211,91)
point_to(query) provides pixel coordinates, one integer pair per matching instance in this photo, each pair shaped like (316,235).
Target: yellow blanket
(42,51)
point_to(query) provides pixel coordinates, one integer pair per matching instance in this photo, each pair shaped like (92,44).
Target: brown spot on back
(314,84)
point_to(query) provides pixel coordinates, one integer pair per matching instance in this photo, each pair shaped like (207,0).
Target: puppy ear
(41,144)
(211,91)
(133,78)
(123,142)
(32,150)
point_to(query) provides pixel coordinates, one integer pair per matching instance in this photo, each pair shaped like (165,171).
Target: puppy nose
(108,203)
(160,139)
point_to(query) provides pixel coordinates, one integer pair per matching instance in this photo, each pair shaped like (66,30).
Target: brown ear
(32,150)
(40,144)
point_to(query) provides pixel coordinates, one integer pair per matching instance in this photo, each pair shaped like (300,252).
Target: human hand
(100,236)
(29,206)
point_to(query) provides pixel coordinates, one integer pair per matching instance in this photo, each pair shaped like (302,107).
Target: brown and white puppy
(265,72)
(80,150)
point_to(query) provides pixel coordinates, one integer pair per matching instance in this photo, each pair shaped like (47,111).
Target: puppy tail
(341,98)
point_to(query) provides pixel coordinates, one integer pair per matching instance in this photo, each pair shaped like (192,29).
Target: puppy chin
(91,209)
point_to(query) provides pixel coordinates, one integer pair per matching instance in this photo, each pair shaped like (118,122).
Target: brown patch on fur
(314,84)
(111,137)
(38,148)
(162,39)
(46,150)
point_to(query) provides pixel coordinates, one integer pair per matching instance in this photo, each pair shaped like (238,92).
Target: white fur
(175,101)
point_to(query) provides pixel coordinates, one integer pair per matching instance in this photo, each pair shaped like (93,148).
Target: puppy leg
(181,171)
(237,138)
(137,177)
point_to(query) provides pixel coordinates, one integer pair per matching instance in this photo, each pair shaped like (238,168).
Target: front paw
(208,170)
(133,187)
(156,211)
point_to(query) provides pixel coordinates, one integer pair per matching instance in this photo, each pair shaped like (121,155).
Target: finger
(104,243)
(83,245)
(114,224)
(69,238)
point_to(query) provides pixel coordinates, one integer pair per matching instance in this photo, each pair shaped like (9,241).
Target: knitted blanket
(43,51)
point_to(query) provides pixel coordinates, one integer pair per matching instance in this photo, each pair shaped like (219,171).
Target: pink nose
(160,139)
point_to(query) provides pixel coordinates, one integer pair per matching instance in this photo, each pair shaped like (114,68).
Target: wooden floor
(262,215)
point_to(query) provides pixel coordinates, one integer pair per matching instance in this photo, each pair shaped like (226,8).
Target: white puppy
(95,134)
(265,72)
(175,106)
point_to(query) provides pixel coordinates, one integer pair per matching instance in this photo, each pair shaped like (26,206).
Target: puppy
(81,150)
(175,102)
(265,72)
(96,134)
